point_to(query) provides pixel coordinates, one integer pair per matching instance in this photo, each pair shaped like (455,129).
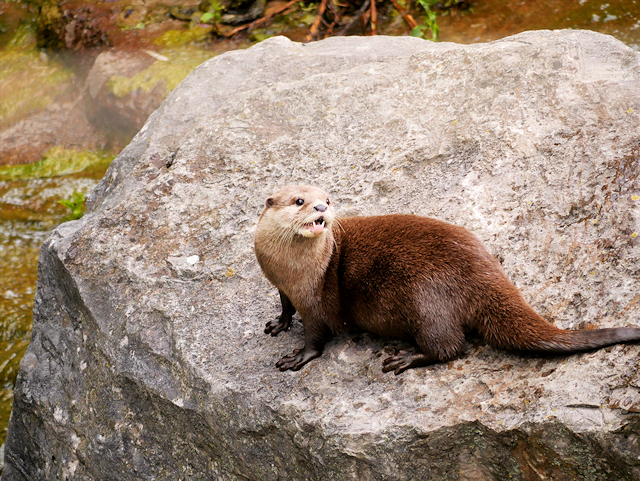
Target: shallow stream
(29,210)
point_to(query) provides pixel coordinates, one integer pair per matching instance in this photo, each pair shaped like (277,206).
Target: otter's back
(395,270)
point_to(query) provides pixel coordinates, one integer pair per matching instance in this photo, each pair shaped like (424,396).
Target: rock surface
(148,358)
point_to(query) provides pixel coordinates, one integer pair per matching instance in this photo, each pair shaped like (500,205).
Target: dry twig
(407,17)
(316,22)
(374,18)
(355,18)
(329,30)
(255,23)
(333,7)
(367,12)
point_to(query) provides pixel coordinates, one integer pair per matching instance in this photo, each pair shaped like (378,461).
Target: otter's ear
(269,203)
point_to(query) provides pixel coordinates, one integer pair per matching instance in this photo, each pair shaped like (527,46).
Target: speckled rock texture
(148,358)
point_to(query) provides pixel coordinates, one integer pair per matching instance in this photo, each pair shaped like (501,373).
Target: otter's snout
(320,207)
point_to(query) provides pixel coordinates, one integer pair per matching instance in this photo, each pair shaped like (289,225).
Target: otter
(399,276)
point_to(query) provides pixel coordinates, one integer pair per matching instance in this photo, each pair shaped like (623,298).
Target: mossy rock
(176,38)
(58,161)
(180,62)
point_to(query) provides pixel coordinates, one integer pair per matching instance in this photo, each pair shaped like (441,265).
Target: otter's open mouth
(315,228)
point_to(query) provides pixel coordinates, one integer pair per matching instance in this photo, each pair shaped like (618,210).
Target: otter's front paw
(280,324)
(298,359)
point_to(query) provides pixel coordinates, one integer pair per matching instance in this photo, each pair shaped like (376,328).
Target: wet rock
(105,111)
(121,116)
(38,109)
(238,12)
(148,357)
(61,123)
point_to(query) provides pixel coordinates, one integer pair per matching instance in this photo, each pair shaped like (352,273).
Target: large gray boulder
(148,358)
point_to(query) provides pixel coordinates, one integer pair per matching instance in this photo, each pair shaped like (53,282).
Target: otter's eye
(300,201)
(328,202)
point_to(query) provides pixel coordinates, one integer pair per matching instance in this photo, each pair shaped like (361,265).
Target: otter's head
(301,209)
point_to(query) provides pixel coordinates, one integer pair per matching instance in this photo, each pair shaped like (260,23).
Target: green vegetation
(213,12)
(58,161)
(12,353)
(429,21)
(76,204)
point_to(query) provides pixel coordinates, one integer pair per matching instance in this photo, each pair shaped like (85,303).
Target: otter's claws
(404,360)
(297,359)
(279,325)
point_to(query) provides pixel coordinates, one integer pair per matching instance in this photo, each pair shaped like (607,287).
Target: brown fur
(399,276)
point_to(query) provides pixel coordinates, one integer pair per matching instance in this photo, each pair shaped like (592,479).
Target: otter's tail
(513,324)
(587,340)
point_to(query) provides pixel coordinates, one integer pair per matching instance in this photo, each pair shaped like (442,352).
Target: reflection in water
(493,19)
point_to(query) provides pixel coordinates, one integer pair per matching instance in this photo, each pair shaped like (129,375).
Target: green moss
(259,35)
(58,161)
(307,19)
(24,38)
(29,81)
(177,38)
(180,63)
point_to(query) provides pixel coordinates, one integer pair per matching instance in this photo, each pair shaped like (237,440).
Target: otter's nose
(320,207)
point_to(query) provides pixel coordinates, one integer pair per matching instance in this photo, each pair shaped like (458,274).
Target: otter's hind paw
(404,360)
